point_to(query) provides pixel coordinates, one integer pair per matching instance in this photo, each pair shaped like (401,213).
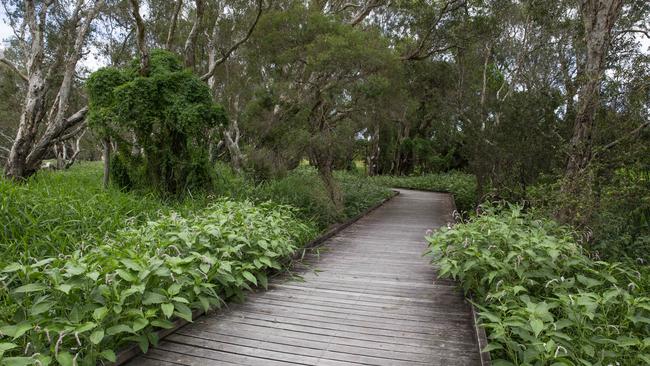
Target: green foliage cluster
(79,308)
(302,188)
(621,226)
(160,122)
(617,223)
(541,299)
(359,193)
(326,81)
(461,185)
(425,158)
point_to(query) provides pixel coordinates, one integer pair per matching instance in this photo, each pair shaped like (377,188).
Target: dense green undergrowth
(617,223)
(304,190)
(461,185)
(55,212)
(82,306)
(542,300)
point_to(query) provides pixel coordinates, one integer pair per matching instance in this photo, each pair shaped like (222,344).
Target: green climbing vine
(160,123)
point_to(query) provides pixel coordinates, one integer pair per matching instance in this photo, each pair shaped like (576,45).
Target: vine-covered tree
(159,122)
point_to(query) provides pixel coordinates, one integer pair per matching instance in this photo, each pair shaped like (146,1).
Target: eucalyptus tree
(599,18)
(45,120)
(605,24)
(321,75)
(510,92)
(213,32)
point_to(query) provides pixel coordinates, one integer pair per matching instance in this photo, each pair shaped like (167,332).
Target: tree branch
(11,66)
(54,132)
(645,32)
(419,57)
(448,7)
(77,150)
(68,135)
(226,55)
(626,136)
(140,37)
(9,139)
(368,7)
(188,49)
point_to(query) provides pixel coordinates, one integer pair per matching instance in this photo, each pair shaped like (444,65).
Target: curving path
(367,298)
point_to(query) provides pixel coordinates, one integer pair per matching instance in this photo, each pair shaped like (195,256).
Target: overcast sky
(5,30)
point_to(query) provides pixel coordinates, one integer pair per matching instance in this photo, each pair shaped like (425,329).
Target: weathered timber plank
(370,326)
(271,340)
(336,314)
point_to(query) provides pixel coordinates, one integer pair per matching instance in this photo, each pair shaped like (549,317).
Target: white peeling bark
(189,50)
(29,150)
(236,156)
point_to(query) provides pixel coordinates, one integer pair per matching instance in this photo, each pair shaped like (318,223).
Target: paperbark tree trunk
(29,150)
(599,17)
(188,49)
(140,37)
(236,156)
(172,28)
(32,112)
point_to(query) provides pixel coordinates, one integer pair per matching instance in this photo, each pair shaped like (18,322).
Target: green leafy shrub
(541,299)
(85,305)
(160,122)
(359,193)
(616,219)
(303,189)
(264,164)
(621,226)
(461,185)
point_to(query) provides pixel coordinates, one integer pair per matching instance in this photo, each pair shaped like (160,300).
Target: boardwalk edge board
(481,336)
(132,351)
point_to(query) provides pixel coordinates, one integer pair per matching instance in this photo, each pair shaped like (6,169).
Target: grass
(56,211)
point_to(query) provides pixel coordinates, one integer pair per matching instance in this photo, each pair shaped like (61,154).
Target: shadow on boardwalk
(369,298)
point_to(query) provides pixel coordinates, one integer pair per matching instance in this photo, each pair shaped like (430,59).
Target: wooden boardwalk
(368,298)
